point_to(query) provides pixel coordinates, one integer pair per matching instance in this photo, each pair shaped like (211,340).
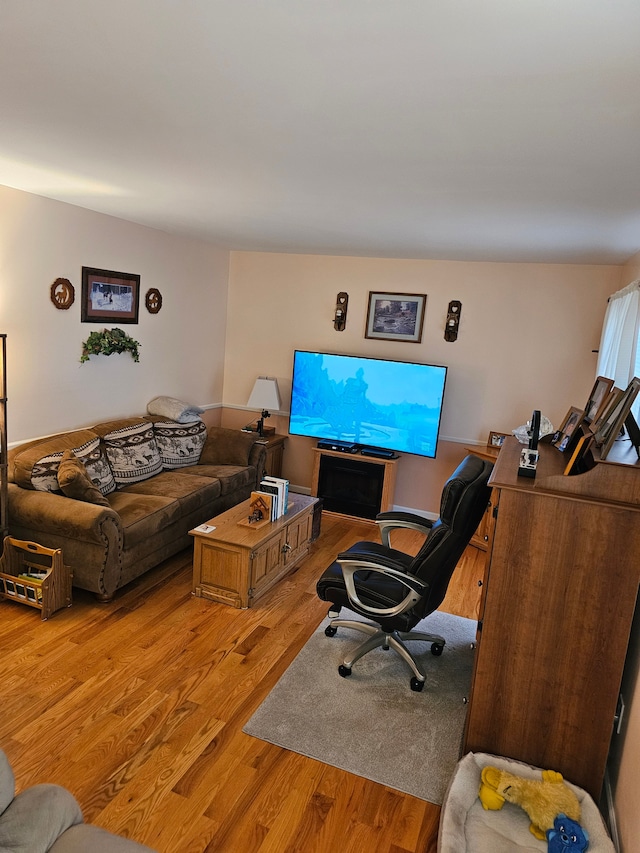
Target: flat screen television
(372,402)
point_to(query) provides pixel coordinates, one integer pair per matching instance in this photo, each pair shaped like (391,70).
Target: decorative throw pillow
(37,466)
(133,454)
(75,482)
(95,461)
(179,444)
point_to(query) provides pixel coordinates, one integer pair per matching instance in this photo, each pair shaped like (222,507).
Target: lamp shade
(265,394)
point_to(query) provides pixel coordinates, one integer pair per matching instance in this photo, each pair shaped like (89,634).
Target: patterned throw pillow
(44,473)
(93,457)
(180,444)
(133,454)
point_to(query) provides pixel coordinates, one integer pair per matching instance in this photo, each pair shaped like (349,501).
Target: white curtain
(618,358)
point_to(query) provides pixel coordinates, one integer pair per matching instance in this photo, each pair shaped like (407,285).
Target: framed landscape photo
(598,397)
(109,297)
(395,316)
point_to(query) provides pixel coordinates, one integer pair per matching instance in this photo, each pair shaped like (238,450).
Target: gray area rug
(372,724)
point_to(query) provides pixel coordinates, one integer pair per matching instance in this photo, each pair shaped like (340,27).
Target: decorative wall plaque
(63,293)
(153,300)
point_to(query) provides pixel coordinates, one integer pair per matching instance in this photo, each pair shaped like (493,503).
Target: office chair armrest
(388,521)
(350,566)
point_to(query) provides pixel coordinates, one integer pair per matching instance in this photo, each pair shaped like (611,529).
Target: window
(619,354)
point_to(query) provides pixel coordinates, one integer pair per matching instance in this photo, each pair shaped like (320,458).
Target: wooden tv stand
(558,603)
(378,476)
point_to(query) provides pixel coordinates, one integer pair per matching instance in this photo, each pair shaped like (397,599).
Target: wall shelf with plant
(107,342)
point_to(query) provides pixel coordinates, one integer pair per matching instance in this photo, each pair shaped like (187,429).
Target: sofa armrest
(59,515)
(258,459)
(89,535)
(37,817)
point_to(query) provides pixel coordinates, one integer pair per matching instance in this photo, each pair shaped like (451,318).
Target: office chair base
(393,640)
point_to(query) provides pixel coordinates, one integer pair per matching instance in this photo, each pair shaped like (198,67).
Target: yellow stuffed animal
(542,799)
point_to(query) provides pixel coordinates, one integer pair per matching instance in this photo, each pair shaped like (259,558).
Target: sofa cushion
(143,516)
(227,447)
(75,482)
(190,490)
(179,444)
(231,477)
(132,453)
(36,466)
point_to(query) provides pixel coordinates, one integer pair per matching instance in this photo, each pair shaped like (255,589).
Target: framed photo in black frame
(109,296)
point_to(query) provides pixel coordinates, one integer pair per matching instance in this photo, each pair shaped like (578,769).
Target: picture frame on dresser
(570,423)
(496,439)
(597,398)
(615,418)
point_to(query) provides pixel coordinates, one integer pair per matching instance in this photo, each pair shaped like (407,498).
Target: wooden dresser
(558,602)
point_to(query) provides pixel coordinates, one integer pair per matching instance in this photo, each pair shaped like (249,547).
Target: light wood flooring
(138,706)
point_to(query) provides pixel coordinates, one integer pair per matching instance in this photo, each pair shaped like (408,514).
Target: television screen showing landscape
(394,405)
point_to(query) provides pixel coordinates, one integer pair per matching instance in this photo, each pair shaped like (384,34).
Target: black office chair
(397,590)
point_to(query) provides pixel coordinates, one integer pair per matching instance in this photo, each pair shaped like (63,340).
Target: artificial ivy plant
(107,342)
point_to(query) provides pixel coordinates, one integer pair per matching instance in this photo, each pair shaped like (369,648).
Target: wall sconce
(453,320)
(340,319)
(265,396)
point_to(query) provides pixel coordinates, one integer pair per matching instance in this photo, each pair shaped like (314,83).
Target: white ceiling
(458,129)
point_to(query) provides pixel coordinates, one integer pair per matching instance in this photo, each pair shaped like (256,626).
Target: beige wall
(182,346)
(525,342)
(527,332)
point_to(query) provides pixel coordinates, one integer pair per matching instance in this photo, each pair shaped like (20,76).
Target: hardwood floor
(138,707)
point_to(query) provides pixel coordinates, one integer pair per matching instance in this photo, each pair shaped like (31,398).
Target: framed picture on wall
(395,316)
(109,297)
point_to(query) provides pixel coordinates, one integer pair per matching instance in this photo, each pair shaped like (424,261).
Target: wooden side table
(235,564)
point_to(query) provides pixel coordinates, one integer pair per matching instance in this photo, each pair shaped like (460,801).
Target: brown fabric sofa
(120,497)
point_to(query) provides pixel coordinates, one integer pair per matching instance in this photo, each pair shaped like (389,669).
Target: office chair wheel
(344,671)
(436,649)
(416,685)
(330,631)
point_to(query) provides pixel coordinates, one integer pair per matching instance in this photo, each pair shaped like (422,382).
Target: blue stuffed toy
(567,836)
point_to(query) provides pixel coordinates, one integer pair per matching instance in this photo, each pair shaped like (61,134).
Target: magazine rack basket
(34,575)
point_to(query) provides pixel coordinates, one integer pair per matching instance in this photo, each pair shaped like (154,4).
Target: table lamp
(265,396)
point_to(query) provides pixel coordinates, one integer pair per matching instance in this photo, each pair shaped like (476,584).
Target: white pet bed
(466,826)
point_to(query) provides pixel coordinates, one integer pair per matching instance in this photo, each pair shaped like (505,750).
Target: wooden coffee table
(235,564)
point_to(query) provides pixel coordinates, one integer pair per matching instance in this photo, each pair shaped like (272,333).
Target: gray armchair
(47,818)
